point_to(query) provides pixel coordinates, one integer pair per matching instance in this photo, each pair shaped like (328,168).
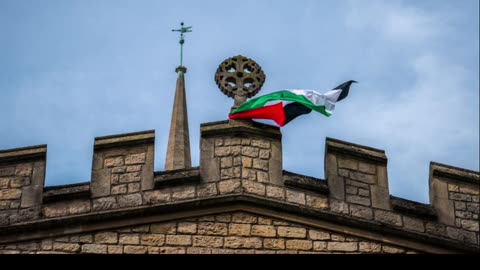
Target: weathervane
(182,30)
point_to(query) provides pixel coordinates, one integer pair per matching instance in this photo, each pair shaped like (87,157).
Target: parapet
(240,168)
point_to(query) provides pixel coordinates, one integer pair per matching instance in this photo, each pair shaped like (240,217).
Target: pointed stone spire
(178,151)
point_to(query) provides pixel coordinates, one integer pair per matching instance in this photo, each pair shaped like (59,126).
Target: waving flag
(293,103)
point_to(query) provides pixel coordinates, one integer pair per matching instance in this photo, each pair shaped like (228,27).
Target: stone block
(23,170)
(318,235)
(392,250)
(291,232)
(239,229)
(134,168)
(113,162)
(295,197)
(362,177)
(249,174)
(66,247)
(129,239)
(207,190)
(388,217)
(115,249)
(130,200)
(264,154)
(299,244)
(94,248)
(367,168)
(336,185)
(264,231)
(179,240)
(260,164)
(358,200)
(183,193)
(7,171)
(229,186)
(207,241)
(130,177)
(413,224)
(275,192)
(106,238)
(164,228)
(263,177)
(470,225)
(361,212)
(134,250)
(369,247)
(250,151)
(226,162)
(274,243)
(152,239)
(317,201)
(5,182)
(196,250)
(187,228)
(135,159)
(172,250)
(244,218)
(363,192)
(351,190)
(380,197)
(319,246)
(20,182)
(357,184)
(339,206)
(254,187)
(10,194)
(243,242)
(133,187)
(260,143)
(119,189)
(342,246)
(347,164)
(158,196)
(210,228)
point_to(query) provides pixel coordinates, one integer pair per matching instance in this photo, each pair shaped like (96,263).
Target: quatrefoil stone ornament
(240,78)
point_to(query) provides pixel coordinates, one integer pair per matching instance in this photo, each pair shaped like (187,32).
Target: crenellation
(213,208)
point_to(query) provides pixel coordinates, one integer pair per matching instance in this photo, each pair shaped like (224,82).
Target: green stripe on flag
(280,95)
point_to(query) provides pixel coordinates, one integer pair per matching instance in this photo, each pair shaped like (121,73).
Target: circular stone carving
(240,78)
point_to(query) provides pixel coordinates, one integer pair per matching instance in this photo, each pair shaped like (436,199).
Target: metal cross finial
(182,30)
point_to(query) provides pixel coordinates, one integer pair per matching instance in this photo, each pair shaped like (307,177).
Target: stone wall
(240,170)
(22,176)
(231,233)
(241,151)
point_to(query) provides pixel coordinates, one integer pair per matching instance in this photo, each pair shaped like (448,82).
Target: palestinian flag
(293,103)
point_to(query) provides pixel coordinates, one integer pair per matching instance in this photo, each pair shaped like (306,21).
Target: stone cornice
(140,215)
(126,139)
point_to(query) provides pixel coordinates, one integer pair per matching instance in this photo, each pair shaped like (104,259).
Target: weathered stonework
(182,237)
(239,201)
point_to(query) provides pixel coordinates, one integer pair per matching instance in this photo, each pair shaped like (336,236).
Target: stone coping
(454,173)
(412,208)
(66,192)
(177,177)
(125,139)
(365,153)
(19,154)
(240,128)
(305,182)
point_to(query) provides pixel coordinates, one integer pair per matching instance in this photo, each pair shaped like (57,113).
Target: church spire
(178,150)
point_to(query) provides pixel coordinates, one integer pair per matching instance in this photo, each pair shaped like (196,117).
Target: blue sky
(74,70)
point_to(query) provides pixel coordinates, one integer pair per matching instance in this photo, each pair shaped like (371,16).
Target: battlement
(240,170)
